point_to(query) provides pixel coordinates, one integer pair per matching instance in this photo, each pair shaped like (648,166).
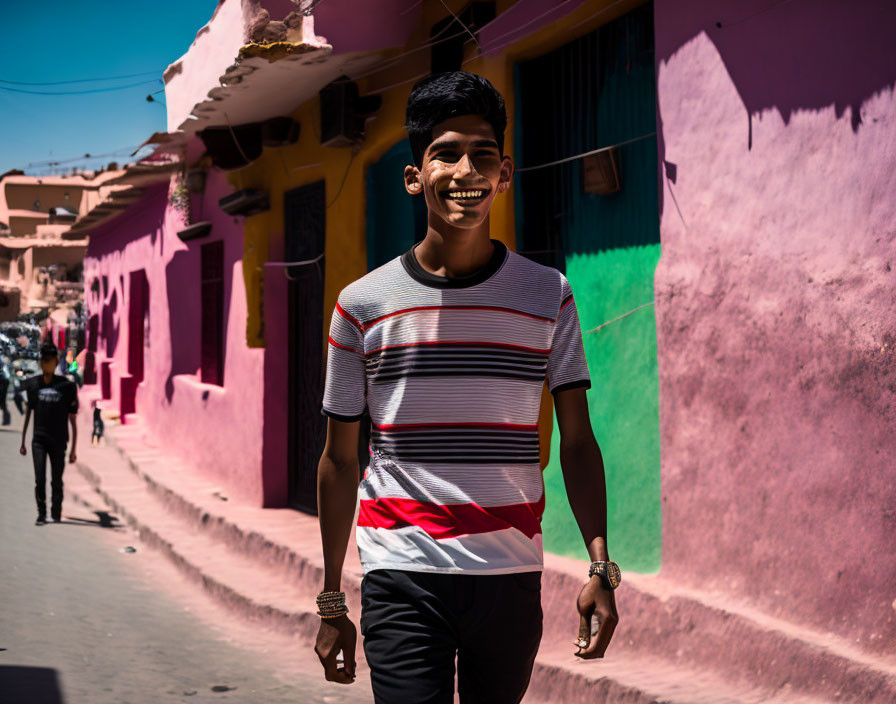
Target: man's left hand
(595,600)
(72,456)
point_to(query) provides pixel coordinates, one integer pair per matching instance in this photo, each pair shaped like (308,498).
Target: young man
(54,401)
(448,346)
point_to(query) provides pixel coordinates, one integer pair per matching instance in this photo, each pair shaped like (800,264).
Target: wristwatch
(609,573)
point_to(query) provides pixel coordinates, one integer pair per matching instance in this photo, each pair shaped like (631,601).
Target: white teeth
(465,194)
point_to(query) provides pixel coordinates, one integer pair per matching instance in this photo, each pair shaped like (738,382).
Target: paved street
(84,622)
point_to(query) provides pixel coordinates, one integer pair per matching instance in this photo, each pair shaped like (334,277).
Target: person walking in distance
(4,390)
(53,400)
(98,425)
(448,346)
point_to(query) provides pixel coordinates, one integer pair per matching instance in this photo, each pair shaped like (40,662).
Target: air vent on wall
(227,153)
(279,131)
(343,113)
(248,201)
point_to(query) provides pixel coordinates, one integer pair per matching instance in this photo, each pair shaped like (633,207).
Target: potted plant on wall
(179,198)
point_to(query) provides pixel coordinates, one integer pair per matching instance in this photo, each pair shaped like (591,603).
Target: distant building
(36,260)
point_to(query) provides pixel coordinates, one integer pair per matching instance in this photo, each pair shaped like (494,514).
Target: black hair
(442,96)
(48,350)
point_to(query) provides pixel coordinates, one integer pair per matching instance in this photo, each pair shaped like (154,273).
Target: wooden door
(304,229)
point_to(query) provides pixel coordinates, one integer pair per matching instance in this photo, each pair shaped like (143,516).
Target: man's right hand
(335,635)
(22,450)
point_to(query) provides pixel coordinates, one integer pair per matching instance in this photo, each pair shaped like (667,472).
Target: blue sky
(65,41)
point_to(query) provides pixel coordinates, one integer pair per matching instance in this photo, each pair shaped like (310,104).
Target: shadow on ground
(104,519)
(29,685)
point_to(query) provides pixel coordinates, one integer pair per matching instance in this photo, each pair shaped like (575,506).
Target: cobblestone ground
(83,622)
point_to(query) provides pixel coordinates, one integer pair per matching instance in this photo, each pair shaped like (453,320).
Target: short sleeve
(567,368)
(345,388)
(30,390)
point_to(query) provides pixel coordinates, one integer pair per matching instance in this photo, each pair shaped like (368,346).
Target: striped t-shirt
(451,371)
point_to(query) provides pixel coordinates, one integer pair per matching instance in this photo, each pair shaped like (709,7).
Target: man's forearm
(583,474)
(337,495)
(25,427)
(74,425)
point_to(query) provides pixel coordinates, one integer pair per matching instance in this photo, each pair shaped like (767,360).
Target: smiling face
(461,173)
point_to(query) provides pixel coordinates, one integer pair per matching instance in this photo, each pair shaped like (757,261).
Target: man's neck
(455,253)
(48,377)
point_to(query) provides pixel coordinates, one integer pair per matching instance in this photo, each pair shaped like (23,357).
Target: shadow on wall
(787,55)
(187,280)
(110,325)
(184,318)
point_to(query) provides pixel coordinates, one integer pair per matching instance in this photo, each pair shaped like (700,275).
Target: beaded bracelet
(331,604)
(333,614)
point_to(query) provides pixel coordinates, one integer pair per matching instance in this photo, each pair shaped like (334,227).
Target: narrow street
(86,622)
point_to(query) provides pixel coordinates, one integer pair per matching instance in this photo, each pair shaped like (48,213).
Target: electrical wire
(584,154)
(728,25)
(56,162)
(410,7)
(473,58)
(620,317)
(492,48)
(80,80)
(78,92)
(457,19)
(524,25)
(389,63)
(344,179)
(236,141)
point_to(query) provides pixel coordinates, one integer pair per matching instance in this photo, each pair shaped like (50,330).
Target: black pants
(415,624)
(40,451)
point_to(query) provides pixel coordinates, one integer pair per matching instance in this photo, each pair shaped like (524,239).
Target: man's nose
(464,166)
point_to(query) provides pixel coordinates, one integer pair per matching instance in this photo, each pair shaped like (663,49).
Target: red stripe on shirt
(342,347)
(469,343)
(452,520)
(499,309)
(349,317)
(417,426)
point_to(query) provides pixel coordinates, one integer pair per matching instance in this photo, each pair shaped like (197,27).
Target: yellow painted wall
(346,251)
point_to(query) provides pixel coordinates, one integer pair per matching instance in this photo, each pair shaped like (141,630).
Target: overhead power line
(78,92)
(54,162)
(80,80)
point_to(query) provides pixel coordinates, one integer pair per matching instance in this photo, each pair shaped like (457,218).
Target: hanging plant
(179,198)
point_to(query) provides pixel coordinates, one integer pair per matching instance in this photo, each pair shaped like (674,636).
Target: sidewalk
(672,645)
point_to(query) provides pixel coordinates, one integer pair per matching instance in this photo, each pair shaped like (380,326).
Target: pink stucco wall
(217,43)
(215,429)
(775,307)
(351,26)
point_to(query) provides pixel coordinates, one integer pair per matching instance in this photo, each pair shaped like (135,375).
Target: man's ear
(412,182)
(506,176)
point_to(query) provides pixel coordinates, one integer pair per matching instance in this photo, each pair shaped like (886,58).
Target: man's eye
(446,156)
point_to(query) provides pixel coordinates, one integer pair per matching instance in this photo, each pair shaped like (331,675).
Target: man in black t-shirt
(54,401)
